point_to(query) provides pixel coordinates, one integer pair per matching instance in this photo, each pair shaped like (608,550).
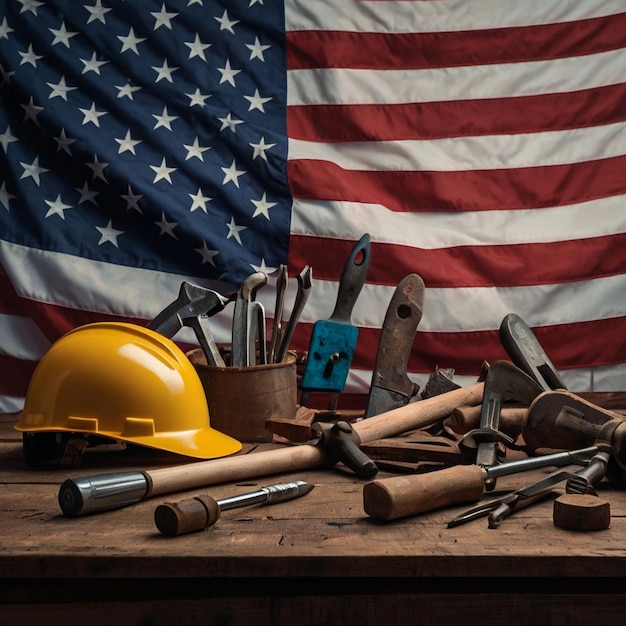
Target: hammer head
(511,383)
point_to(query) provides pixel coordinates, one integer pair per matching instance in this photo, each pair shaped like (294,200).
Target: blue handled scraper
(333,341)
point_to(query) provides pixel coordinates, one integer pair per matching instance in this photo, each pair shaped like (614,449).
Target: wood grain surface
(315,560)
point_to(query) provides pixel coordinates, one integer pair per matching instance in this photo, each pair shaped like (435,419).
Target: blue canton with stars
(146,134)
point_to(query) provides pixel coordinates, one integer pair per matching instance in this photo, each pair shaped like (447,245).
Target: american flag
(481,145)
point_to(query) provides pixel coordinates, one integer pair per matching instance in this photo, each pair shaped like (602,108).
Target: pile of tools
(249,346)
(446,446)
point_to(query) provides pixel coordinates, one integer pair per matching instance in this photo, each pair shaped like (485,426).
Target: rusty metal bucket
(241,399)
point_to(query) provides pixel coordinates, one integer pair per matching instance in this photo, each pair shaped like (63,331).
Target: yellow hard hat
(125,382)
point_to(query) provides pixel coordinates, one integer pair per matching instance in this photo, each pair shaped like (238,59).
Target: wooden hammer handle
(391,498)
(414,415)
(417,414)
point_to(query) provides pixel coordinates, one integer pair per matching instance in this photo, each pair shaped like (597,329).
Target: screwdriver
(401,496)
(193,514)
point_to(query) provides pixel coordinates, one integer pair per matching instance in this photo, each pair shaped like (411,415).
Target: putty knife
(333,341)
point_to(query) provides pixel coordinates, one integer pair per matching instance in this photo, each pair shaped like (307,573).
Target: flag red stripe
(585,344)
(473,190)
(326,49)
(436,120)
(16,374)
(475,266)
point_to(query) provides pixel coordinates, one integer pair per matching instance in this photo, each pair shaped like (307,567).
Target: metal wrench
(277,324)
(246,327)
(305,284)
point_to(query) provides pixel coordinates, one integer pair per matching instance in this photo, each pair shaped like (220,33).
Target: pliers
(581,481)
(192,308)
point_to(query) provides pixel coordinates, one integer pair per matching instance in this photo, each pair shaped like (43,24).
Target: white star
(262,206)
(86,194)
(163,18)
(199,201)
(62,35)
(5,196)
(197,48)
(197,98)
(92,115)
(166,228)
(164,72)
(232,174)
(127,144)
(252,2)
(206,254)
(29,5)
(130,41)
(57,207)
(195,150)
(162,172)
(257,49)
(5,29)
(228,74)
(60,89)
(226,23)
(234,230)
(164,120)
(33,170)
(92,65)
(263,268)
(30,56)
(256,102)
(97,168)
(126,91)
(31,111)
(6,138)
(109,234)
(97,12)
(261,148)
(229,122)
(132,200)
(63,143)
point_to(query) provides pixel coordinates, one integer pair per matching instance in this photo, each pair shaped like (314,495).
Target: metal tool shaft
(200,512)
(266,495)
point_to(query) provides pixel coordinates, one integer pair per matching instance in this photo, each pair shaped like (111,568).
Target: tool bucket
(241,399)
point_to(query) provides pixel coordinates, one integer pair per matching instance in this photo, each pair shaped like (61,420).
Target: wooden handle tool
(200,512)
(400,496)
(92,494)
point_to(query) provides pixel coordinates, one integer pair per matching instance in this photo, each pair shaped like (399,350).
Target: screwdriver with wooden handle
(200,512)
(401,496)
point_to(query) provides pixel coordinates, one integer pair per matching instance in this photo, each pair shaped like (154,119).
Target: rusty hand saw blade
(391,387)
(333,341)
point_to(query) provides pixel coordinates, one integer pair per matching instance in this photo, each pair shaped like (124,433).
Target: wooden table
(315,560)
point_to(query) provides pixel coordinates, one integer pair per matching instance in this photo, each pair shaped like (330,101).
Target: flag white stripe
(357,86)
(482,308)
(434,230)
(21,338)
(460,309)
(599,378)
(471,153)
(437,16)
